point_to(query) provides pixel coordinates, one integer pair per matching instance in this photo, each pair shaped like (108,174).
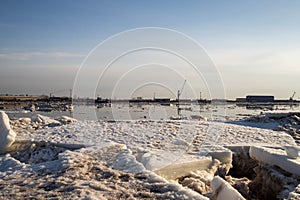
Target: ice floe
(223,190)
(276,157)
(7,135)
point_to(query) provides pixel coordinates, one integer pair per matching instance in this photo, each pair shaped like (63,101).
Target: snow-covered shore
(168,134)
(166,159)
(278,121)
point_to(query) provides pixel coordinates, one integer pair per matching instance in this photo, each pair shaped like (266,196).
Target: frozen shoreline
(279,121)
(132,148)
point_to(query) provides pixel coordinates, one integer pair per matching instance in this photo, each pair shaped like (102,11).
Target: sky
(255,45)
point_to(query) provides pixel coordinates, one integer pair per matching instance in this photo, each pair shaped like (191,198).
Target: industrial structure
(259,98)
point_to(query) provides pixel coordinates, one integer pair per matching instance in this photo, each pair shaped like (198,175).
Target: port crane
(292,97)
(179,92)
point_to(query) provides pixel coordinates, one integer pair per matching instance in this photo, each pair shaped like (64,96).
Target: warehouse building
(258,98)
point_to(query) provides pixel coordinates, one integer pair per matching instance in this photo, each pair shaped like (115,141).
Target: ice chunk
(66,120)
(45,120)
(218,152)
(295,194)
(172,164)
(180,169)
(292,151)
(275,157)
(116,156)
(223,190)
(280,115)
(9,163)
(157,159)
(25,120)
(7,135)
(126,162)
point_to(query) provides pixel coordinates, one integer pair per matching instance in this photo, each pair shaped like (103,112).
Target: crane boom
(180,91)
(292,97)
(182,86)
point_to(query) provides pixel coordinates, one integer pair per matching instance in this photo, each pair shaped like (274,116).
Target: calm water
(227,112)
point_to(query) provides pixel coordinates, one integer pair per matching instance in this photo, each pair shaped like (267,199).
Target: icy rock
(180,142)
(25,120)
(178,118)
(7,135)
(45,120)
(223,190)
(199,117)
(66,120)
(30,108)
(9,163)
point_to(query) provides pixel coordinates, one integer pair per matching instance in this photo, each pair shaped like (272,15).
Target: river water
(123,111)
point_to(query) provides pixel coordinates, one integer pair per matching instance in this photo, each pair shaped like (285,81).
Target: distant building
(100,100)
(59,98)
(258,98)
(162,100)
(240,99)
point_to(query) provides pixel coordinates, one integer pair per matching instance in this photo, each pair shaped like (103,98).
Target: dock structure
(259,98)
(162,100)
(18,98)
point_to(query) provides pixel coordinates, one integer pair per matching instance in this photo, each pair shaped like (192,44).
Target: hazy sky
(255,44)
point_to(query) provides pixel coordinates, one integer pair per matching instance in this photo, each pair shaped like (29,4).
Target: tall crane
(292,97)
(179,92)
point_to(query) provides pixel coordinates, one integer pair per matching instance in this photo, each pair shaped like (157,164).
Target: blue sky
(255,44)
